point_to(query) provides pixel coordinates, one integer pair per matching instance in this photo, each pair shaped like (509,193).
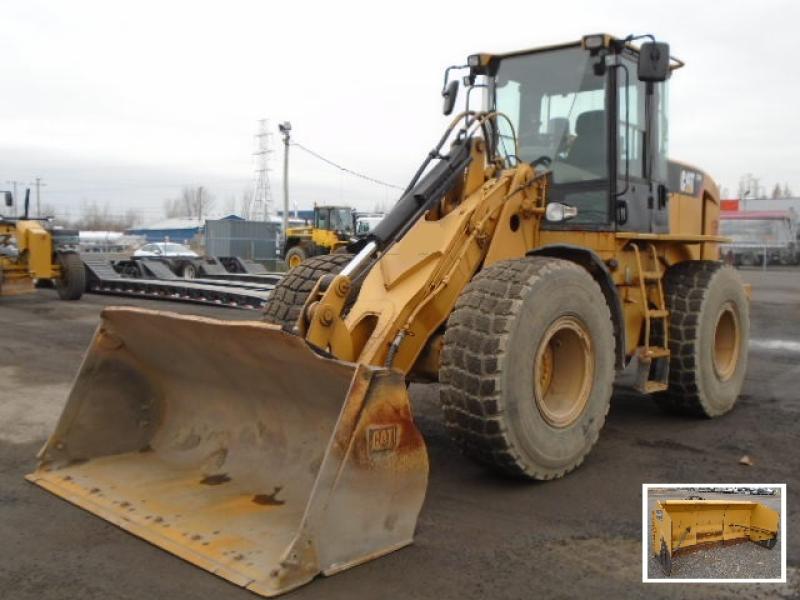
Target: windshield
(557,106)
(755,230)
(342,220)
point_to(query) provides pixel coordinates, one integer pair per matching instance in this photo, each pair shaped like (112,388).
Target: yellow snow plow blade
(236,447)
(679,525)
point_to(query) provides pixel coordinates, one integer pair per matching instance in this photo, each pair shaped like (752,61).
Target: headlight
(594,42)
(557,212)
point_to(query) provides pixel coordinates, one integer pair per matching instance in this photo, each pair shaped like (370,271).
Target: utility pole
(38,183)
(285,129)
(14,183)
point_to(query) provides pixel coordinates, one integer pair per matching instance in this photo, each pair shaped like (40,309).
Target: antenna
(261,208)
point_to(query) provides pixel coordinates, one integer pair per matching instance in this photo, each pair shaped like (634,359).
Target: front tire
(289,296)
(72,283)
(709,330)
(528,367)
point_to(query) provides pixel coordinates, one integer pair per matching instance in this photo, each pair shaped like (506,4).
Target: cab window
(323,221)
(556,103)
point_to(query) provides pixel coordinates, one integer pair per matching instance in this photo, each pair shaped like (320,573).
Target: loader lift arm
(449,216)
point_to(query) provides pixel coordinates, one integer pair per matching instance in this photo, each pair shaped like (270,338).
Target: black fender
(590,261)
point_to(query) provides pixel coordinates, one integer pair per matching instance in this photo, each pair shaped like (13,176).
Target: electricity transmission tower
(261,208)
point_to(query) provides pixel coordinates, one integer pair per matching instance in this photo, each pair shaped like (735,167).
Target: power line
(344,169)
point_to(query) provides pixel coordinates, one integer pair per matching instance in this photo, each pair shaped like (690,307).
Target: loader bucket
(236,447)
(680,525)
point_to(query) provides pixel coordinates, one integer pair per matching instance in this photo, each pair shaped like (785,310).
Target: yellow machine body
(34,259)
(415,284)
(324,238)
(680,525)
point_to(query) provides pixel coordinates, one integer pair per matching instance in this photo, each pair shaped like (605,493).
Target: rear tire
(289,296)
(295,257)
(72,283)
(709,330)
(528,367)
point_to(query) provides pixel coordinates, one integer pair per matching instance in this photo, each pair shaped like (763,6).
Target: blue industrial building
(174,230)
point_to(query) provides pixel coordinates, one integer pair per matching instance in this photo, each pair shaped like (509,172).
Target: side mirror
(653,62)
(450,94)
(9,198)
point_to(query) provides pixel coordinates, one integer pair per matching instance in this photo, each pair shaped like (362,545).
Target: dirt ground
(479,535)
(739,561)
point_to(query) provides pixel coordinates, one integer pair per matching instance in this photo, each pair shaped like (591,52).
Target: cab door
(639,146)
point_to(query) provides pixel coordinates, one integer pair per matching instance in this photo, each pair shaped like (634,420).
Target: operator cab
(591,115)
(335,218)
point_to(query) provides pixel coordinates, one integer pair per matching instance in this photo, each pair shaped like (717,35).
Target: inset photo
(714,533)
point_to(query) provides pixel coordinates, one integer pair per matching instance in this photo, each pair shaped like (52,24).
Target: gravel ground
(737,561)
(478,536)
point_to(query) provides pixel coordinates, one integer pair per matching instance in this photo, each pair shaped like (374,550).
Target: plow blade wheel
(237,448)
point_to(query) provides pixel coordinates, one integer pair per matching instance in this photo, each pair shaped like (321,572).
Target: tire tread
(475,350)
(685,287)
(288,297)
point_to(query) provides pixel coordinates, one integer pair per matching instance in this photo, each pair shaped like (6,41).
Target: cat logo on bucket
(382,438)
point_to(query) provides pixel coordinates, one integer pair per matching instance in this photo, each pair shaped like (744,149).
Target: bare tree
(99,217)
(750,187)
(787,193)
(193,203)
(132,217)
(173,208)
(230,205)
(776,191)
(48,210)
(246,203)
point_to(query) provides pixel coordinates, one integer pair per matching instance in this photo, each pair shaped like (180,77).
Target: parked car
(165,249)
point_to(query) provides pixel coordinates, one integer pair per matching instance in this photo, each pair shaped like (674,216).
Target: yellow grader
(545,244)
(28,254)
(682,525)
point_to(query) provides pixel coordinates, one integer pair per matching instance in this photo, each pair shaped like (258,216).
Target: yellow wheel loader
(544,245)
(332,231)
(28,253)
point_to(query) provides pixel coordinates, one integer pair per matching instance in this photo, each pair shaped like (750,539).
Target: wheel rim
(294,260)
(726,343)
(562,372)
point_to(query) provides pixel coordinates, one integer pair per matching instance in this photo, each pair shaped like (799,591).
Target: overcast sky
(125,102)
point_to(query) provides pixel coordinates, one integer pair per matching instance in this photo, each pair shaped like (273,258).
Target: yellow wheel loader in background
(28,253)
(333,229)
(550,246)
